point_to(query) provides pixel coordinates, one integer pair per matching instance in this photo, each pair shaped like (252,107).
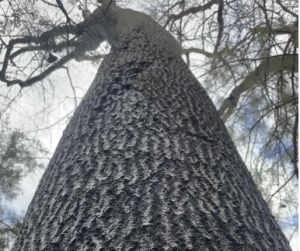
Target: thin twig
(72,86)
(295,146)
(44,74)
(192,10)
(284,184)
(273,108)
(286,9)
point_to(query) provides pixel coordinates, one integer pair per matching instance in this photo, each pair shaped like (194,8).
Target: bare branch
(196,50)
(285,183)
(292,30)
(45,40)
(286,9)
(72,86)
(272,65)
(53,5)
(61,6)
(192,10)
(221,25)
(89,58)
(57,48)
(270,110)
(241,42)
(276,31)
(295,146)
(110,2)
(44,74)
(170,8)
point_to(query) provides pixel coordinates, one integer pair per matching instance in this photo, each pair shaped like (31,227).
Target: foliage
(18,157)
(10,224)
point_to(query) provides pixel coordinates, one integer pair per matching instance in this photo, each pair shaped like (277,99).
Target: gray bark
(146,163)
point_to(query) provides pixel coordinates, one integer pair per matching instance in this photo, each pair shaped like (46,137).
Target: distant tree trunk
(146,163)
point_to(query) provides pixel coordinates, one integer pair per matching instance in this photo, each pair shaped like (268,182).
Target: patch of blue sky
(289,221)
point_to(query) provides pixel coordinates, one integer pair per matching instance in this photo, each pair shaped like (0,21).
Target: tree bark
(146,163)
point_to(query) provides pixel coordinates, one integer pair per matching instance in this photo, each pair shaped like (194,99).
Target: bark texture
(145,164)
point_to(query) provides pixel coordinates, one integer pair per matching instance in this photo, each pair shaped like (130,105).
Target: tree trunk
(146,163)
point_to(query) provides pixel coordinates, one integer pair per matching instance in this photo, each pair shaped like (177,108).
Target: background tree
(241,44)
(18,157)
(10,225)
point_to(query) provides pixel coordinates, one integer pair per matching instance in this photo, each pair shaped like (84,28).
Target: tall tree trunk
(146,163)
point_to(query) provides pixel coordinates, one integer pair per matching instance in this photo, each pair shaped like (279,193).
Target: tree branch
(200,51)
(208,54)
(276,31)
(72,86)
(53,5)
(295,146)
(292,30)
(62,8)
(44,74)
(286,9)
(45,40)
(58,47)
(284,184)
(192,10)
(272,65)
(9,228)
(273,108)
(170,8)
(221,25)
(89,58)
